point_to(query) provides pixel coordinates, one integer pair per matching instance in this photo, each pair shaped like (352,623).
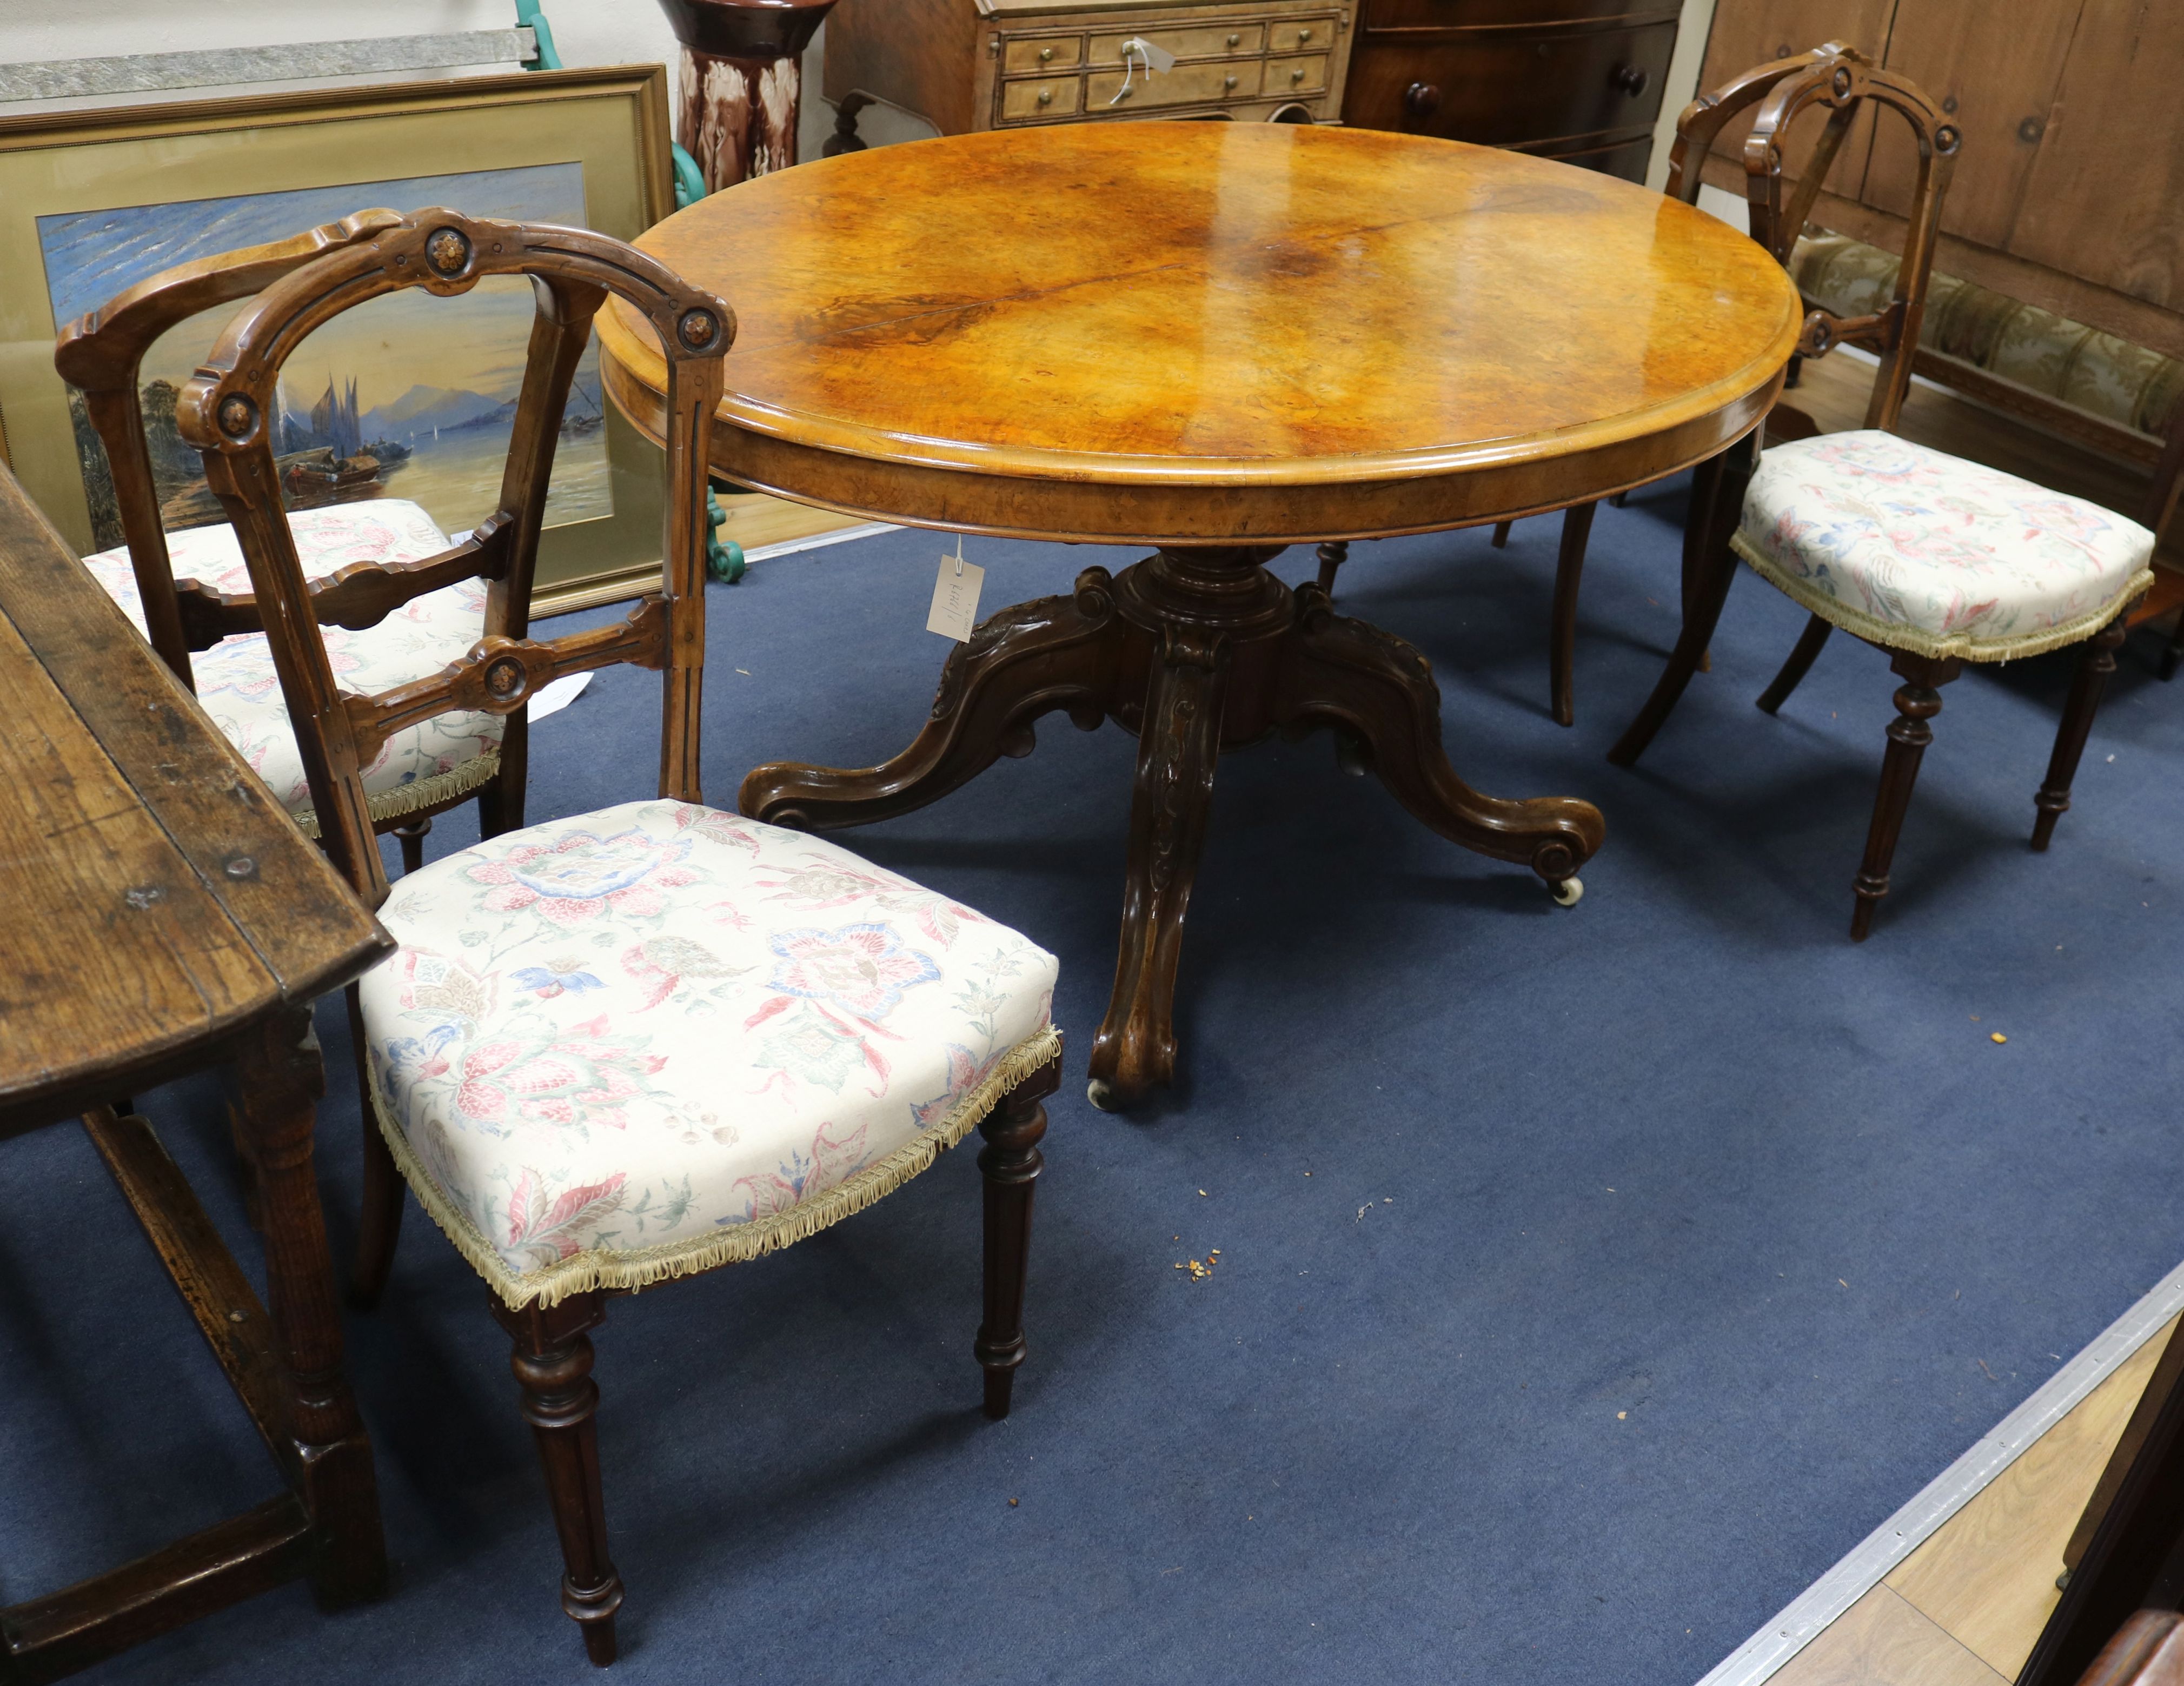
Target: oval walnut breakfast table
(1218,340)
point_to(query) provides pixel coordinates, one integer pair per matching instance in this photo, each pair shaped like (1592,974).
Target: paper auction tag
(956,598)
(1157,58)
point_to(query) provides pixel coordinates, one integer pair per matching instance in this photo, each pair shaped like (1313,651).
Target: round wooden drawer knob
(1235,41)
(1046,95)
(1045,54)
(1632,80)
(1422,99)
(1297,75)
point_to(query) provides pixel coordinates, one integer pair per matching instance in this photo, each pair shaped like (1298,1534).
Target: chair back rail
(1840,79)
(102,355)
(223,411)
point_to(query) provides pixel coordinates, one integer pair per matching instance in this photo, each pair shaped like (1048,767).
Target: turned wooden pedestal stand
(1218,340)
(1195,651)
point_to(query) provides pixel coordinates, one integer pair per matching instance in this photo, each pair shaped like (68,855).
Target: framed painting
(407,395)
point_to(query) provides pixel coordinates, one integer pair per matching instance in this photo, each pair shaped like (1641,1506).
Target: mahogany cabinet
(1576,79)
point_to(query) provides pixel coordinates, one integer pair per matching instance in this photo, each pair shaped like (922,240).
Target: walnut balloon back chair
(378,566)
(645,1041)
(1696,130)
(1936,561)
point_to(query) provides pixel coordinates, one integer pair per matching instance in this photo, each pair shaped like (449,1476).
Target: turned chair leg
(412,834)
(2174,654)
(552,1365)
(1917,701)
(1798,665)
(1562,646)
(1010,1160)
(1501,533)
(379,1214)
(1332,555)
(2096,662)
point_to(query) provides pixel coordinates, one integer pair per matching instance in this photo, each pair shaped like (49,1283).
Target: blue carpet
(1589,1281)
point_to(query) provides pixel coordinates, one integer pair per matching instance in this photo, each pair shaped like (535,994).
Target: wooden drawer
(1037,55)
(1296,75)
(1300,35)
(1185,84)
(1030,102)
(1461,15)
(1500,88)
(1204,41)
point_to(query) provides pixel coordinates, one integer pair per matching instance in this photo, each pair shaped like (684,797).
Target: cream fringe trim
(1895,636)
(587,1270)
(408,798)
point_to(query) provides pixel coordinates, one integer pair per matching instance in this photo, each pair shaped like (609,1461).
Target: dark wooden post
(741,82)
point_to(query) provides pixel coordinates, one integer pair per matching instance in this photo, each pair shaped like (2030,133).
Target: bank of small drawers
(1047,76)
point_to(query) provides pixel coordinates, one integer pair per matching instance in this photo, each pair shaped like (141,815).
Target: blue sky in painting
(90,256)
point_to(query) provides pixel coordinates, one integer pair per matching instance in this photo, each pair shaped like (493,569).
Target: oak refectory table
(161,914)
(1218,340)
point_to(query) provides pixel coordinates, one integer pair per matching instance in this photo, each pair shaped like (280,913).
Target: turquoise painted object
(724,562)
(689,180)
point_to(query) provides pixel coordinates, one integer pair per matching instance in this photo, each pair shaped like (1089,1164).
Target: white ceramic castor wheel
(1350,755)
(1102,1093)
(1569,893)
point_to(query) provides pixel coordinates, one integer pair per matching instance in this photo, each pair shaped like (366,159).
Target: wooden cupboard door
(1749,33)
(2104,199)
(1995,73)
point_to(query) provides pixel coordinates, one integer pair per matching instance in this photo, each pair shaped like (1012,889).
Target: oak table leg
(278,1081)
(1197,650)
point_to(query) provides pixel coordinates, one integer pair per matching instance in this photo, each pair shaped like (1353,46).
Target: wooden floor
(1965,1609)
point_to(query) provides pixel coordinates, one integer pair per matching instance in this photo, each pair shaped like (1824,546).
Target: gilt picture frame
(412,402)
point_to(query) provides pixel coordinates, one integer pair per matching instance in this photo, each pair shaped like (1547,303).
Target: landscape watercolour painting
(407,395)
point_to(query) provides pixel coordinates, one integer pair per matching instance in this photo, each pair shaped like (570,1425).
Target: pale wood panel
(1882,1641)
(1987,1576)
(1999,77)
(2105,197)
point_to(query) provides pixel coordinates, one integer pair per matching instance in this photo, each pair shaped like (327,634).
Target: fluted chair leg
(1332,555)
(1917,702)
(2096,662)
(552,1365)
(1501,533)
(1011,1161)
(1797,666)
(1561,649)
(379,1214)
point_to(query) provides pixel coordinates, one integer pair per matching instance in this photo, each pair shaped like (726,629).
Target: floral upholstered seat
(658,1038)
(1918,550)
(419,765)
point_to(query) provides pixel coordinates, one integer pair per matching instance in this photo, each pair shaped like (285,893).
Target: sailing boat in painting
(407,395)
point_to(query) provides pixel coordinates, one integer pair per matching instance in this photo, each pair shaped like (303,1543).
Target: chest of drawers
(972,64)
(1577,79)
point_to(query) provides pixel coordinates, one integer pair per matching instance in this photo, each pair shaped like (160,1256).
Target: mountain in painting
(422,409)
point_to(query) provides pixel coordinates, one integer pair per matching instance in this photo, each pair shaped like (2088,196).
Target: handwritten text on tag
(956,598)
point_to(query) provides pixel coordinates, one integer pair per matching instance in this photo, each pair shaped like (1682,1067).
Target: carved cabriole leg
(412,834)
(1353,677)
(2096,662)
(552,1365)
(1917,701)
(278,1081)
(1332,555)
(1710,565)
(1562,650)
(1011,1162)
(1798,665)
(1023,662)
(379,1214)
(1178,747)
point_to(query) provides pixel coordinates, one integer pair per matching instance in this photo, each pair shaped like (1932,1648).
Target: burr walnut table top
(1170,332)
